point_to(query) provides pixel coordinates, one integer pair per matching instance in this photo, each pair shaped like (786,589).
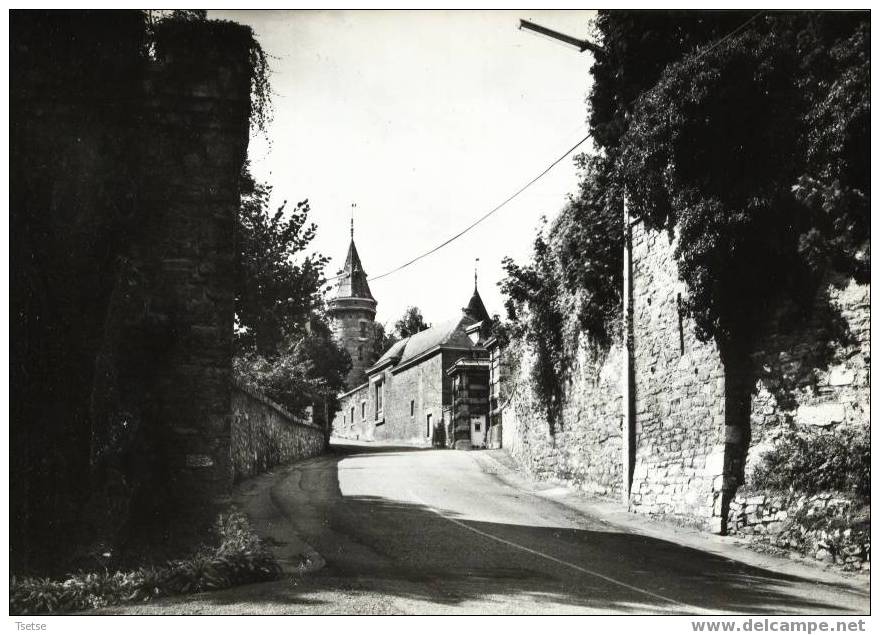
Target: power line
(550,167)
(729,35)
(486,215)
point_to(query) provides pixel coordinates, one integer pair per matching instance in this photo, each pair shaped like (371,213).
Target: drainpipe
(627,427)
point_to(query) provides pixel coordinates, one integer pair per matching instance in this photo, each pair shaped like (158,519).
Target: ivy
(738,151)
(572,286)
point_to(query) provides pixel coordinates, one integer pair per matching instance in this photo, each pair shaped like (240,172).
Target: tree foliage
(278,288)
(382,341)
(284,347)
(745,134)
(310,373)
(753,152)
(410,323)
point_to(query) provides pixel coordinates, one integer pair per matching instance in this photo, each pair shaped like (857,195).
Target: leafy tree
(382,341)
(278,288)
(284,347)
(410,323)
(311,372)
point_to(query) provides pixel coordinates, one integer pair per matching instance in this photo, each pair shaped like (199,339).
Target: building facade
(430,388)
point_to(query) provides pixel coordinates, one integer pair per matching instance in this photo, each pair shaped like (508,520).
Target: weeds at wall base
(238,556)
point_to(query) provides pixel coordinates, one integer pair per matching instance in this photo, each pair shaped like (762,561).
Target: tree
(382,341)
(278,287)
(284,347)
(311,372)
(410,323)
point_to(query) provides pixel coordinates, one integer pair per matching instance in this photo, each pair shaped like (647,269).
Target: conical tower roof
(475,309)
(353,278)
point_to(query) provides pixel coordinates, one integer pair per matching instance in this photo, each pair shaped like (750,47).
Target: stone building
(431,387)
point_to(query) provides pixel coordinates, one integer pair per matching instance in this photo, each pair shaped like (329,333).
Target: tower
(352,314)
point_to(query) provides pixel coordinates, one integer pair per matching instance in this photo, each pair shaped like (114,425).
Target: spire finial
(353,205)
(476,260)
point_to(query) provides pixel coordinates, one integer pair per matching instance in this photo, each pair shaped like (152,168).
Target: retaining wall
(265,435)
(692,451)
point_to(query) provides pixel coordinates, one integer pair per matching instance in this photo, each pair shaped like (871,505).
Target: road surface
(406,530)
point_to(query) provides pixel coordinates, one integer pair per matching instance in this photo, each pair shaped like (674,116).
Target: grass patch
(238,557)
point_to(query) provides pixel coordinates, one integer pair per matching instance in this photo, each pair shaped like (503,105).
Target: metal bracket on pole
(582,45)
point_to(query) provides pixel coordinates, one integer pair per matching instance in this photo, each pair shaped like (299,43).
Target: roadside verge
(500,465)
(254,497)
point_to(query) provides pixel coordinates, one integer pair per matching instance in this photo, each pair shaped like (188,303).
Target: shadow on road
(403,551)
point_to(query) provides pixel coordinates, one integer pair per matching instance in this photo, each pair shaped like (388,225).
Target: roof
(449,334)
(353,278)
(475,309)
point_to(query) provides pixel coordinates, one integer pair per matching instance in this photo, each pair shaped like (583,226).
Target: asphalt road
(404,530)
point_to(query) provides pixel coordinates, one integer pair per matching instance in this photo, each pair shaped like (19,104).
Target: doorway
(478,431)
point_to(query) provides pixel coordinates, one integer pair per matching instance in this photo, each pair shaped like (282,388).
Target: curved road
(406,530)
(429,531)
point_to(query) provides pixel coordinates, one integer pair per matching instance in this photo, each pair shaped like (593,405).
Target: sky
(426,120)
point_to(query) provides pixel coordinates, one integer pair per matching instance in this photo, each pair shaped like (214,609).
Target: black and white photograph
(399,312)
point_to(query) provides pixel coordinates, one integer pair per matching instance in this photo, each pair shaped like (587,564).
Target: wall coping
(256,394)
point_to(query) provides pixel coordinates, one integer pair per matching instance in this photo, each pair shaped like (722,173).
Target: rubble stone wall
(688,450)
(585,449)
(812,381)
(265,435)
(679,395)
(798,523)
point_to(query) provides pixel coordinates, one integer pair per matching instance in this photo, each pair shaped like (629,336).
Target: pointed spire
(475,309)
(353,278)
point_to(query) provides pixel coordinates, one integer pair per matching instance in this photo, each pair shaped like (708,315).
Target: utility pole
(627,427)
(627,380)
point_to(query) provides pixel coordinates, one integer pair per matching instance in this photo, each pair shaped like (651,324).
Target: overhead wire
(539,176)
(479,220)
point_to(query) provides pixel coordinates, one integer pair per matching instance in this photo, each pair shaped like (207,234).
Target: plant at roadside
(809,464)
(240,557)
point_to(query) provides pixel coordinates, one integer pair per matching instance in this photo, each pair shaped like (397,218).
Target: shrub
(809,464)
(240,557)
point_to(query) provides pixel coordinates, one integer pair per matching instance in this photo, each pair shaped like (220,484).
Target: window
(476,427)
(363,329)
(412,408)
(360,353)
(428,424)
(380,389)
(352,414)
(363,410)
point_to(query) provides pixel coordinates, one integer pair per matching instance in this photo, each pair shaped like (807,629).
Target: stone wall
(354,330)
(679,396)
(815,377)
(353,420)
(586,448)
(124,195)
(692,450)
(265,435)
(800,523)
